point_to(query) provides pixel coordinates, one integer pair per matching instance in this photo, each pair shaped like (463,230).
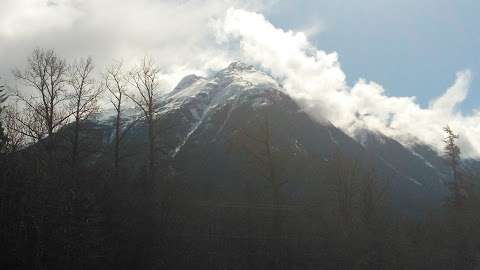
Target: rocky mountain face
(213,132)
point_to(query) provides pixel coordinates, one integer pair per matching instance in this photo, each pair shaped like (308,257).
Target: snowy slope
(236,80)
(197,96)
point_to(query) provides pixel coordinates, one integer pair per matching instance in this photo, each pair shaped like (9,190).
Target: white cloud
(20,19)
(454,95)
(195,36)
(316,80)
(175,32)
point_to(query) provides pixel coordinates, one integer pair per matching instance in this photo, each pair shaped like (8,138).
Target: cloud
(175,32)
(197,36)
(316,80)
(454,95)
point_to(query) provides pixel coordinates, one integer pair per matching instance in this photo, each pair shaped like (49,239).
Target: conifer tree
(452,155)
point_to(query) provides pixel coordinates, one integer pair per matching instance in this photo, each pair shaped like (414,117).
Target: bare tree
(115,83)
(25,122)
(146,83)
(3,136)
(13,129)
(83,98)
(46,76)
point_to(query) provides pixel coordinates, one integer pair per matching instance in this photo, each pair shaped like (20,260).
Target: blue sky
(411,47)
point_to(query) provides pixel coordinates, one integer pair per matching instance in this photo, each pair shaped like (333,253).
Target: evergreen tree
(452,155)
(461,219)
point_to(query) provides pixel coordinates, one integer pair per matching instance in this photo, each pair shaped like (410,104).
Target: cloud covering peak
(316,80)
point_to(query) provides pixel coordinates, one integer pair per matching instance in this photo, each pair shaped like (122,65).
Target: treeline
(69,200)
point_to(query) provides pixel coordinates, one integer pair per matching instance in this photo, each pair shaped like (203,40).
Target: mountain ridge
(198,127)
(201,116)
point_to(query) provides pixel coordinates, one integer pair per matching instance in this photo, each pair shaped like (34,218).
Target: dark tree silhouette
(115,83)
(277,201)
(3,135)
(146,83)
(83,99)
(452,155)
(46,79)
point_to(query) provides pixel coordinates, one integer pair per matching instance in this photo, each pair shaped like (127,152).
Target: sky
(412,47)
(403,68)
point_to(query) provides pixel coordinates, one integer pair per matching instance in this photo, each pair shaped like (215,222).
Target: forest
(71,199)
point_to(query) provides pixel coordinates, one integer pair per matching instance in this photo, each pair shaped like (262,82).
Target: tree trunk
(75,145)
(117,142)
(151,149)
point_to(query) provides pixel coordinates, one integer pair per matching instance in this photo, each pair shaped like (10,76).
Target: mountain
(242,174)
(418,164)
(210,132)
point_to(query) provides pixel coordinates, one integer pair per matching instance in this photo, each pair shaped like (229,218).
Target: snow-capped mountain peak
(237,80)
(246,75)
(240,66)
(186,82)
(196,98)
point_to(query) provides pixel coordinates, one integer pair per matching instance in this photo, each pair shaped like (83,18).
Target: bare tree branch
(45,78)
(145,81)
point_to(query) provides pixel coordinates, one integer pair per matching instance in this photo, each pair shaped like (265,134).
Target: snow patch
(414,181)
(422,158)
(222,127)
(365,137)
(332,138)
(261,102)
